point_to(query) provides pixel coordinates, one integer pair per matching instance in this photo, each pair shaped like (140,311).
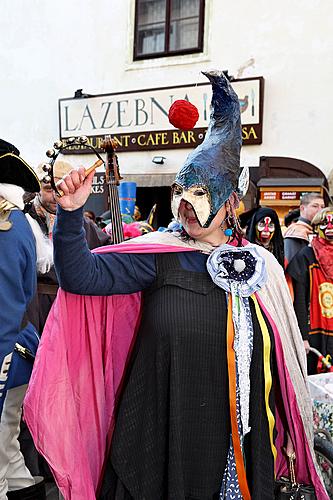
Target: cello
(112,178)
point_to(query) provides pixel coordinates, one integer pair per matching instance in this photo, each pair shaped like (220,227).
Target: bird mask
(211,171)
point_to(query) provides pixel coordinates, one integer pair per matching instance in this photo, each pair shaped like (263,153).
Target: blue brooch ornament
(239,268)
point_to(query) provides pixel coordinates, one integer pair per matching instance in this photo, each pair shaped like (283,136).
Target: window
(168,27)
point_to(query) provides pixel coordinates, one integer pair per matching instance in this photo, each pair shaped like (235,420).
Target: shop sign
(269,195)
(97,201)
(138,120)
(290,195)
(98,184)
(282,195)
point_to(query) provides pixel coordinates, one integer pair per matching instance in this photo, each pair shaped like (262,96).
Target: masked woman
(181,352)
(264,229)
(312,272)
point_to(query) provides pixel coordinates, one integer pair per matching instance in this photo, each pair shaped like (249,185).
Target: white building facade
(50,49)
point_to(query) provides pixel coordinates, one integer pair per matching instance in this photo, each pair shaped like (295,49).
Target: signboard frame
(159,136)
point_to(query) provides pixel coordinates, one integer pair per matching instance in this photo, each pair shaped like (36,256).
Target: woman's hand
(76,189)
(306,346)
(289,449)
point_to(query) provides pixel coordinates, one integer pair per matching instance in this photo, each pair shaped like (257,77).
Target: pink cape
(69,405)
(80,363)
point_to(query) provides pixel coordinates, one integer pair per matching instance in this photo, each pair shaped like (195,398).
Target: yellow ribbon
(267,373)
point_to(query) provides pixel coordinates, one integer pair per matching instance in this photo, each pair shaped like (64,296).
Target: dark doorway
(146,197)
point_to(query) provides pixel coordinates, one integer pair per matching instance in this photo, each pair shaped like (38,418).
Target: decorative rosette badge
(237,269)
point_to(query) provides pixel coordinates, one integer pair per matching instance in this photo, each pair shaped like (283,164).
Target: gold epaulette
(5,209)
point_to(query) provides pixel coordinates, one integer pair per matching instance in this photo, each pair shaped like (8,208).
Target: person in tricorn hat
(18,337)
(175,346)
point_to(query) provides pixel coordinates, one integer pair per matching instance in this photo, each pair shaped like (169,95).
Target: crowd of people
(305,250)
(170,366)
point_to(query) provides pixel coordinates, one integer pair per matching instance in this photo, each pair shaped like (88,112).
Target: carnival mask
(197,196)
(265,229)
(325,228)
(211,171)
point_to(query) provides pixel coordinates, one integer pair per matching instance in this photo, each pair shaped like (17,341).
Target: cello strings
(116,222)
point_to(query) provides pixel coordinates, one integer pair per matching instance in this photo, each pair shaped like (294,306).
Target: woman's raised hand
(76,189)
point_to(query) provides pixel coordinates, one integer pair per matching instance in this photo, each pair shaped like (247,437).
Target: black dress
(172,431)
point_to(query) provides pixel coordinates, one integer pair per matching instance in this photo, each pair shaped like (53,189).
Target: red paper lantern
(183,115)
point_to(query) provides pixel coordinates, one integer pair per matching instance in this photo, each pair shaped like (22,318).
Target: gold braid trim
(5,209)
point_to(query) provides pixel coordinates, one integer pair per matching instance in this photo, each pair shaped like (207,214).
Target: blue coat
(17,287)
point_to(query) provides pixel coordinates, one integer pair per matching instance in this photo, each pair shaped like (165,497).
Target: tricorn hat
(14,170)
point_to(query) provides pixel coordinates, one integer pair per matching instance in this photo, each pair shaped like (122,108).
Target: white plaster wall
(48,49)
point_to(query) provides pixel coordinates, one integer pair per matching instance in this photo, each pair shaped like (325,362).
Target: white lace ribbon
(240,271)
(243,346)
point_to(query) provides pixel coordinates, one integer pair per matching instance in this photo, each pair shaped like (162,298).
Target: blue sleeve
(17,278)
(79,271)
